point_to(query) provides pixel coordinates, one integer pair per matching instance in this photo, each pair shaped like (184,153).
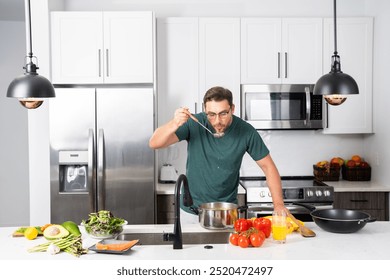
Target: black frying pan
(339,220)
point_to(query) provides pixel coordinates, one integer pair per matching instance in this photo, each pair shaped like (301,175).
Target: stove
(301,189)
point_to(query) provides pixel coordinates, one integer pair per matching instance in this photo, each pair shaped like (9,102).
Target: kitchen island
(370,243)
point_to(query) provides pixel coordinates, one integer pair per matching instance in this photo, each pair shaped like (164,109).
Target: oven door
(281,106)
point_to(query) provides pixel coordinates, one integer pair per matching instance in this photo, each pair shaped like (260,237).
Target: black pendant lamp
(335,85)
(30,88)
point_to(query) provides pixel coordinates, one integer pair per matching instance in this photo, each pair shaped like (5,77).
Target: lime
(72,227)
(31,233)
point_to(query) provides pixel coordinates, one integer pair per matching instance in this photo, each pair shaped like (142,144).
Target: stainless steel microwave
(282,107)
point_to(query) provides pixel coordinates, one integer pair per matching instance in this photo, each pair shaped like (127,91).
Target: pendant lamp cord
(335,27)
(29,31)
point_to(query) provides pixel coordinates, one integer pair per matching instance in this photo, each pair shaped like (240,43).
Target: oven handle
(270,208)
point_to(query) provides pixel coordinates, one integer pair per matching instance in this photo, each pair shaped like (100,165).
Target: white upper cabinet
(177,66)
(128,47)
(281,51)
(219,56)
(193,55)
(354,46)
(102,47)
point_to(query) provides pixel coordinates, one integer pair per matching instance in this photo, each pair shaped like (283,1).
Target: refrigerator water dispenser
(73,171)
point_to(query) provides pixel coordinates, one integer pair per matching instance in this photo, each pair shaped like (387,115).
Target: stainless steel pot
(218,215)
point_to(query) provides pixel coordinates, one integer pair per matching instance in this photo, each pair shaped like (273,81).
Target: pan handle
(307,206)
(368,220)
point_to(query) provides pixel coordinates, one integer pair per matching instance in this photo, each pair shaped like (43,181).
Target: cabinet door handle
(107,62)
(278,65)
(285,64)
(100,62)
(359,200)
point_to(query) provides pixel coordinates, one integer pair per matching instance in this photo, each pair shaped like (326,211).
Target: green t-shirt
(213,164)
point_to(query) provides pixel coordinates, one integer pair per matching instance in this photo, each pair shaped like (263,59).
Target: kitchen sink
(155,238)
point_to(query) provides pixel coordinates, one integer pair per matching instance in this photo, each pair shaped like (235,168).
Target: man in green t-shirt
(213,161)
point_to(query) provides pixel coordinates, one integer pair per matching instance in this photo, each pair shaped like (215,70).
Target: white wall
(376,147)
(14,189)
(38,122)
(278,8)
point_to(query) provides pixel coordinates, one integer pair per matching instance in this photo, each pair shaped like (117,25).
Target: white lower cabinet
(354,45)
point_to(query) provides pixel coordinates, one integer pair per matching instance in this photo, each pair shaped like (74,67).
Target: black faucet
(177,236)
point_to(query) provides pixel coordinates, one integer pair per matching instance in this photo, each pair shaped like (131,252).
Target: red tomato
(243,241)
(241,225)
(264,225)
(257,239)
(234,239)
(250,224)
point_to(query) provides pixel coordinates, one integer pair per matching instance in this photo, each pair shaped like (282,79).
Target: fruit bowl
(103,234)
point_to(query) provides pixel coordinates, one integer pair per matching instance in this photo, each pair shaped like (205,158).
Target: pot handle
(195,210)
(242,208)
(307,206)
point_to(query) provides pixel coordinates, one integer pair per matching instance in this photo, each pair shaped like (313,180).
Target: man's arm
(165,135)
(273,180)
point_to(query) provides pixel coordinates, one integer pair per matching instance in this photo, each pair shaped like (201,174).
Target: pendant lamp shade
(30,88)
(336,85)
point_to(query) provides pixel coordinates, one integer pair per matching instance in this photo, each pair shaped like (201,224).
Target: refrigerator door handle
(91,179)
(100,170)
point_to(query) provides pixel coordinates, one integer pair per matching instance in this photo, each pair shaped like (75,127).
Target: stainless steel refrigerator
(99,153)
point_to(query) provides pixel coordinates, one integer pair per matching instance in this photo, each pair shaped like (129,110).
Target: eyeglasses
(221,115)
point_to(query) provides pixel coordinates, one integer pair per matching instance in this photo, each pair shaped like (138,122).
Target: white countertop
(371,242)
(357,186)
(169,189)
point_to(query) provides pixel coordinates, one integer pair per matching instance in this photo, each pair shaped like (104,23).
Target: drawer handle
(359,200)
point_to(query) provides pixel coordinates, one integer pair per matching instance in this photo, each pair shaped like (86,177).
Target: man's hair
(218,94)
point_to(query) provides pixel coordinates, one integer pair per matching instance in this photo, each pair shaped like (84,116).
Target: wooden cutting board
(20,231)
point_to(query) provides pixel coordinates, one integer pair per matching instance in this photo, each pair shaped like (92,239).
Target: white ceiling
(12,10)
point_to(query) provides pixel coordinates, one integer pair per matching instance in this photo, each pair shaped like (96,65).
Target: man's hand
(181,116)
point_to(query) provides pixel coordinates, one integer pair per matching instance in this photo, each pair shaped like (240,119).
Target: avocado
(72,227)
(55,232)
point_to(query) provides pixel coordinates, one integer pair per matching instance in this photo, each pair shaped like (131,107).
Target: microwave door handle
(308,105)
(91,166)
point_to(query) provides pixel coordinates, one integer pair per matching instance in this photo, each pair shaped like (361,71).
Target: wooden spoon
(305,232)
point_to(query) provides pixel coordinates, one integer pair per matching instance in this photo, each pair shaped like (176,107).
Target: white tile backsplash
(294,151)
